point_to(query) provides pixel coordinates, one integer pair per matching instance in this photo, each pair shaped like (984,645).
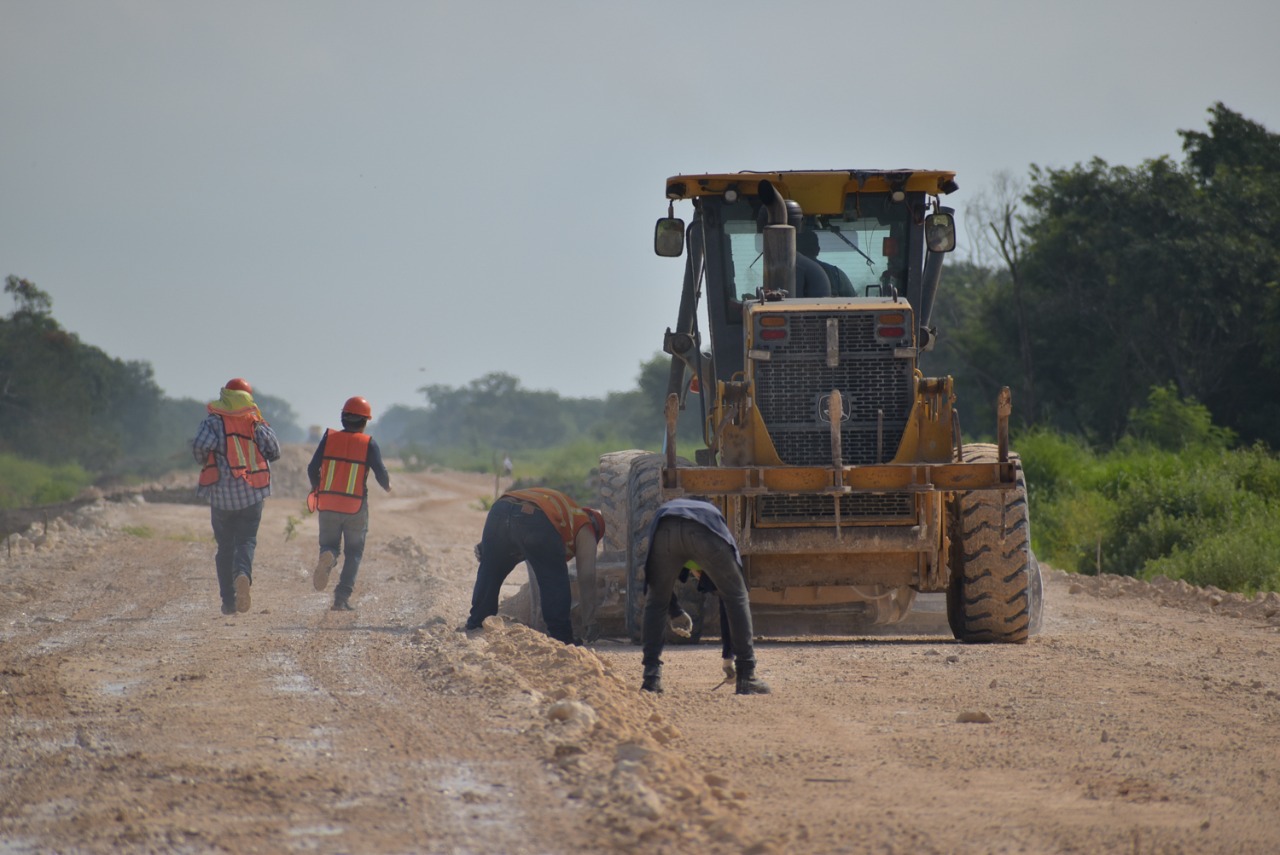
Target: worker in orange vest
(339,472)
(235,445)
(543,528)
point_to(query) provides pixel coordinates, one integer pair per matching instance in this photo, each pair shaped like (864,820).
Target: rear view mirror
(940,231)
(668,237)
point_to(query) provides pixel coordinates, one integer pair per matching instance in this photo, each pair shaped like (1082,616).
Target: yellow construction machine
(839,466)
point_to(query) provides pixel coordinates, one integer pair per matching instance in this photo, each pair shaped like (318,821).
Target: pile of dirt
(1176,593)
(54,526)
(609,744)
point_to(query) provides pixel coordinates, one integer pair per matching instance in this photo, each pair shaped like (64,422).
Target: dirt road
(138,718)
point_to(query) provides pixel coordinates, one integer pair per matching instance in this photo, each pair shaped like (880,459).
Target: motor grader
(838,465)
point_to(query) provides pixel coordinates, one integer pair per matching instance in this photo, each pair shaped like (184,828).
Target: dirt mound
(1176,593)
(609,743)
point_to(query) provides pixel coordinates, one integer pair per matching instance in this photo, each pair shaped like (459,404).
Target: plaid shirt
(229,493)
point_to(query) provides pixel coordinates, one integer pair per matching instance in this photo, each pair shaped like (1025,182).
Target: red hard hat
(358,406)
(239,384)
(597,522)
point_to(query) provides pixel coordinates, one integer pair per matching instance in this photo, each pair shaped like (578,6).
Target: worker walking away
(544,528)
(693,533)
(339,473)
(236,447)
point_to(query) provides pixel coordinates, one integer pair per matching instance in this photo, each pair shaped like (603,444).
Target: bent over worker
(544,528)
(236,446)
(693,533)
(339,472)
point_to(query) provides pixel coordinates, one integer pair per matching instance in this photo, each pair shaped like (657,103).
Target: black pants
(236,533)
(515,532)
(676,541)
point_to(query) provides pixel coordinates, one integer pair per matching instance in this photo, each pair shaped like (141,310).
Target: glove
(476,550)
(682,625)
(727,666)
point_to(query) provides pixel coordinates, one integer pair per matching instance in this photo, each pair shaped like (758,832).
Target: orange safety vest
(563,512)
(243,457)
(343,472)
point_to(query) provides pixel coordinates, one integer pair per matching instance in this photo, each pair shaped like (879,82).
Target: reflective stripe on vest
(344,468)
(241,452)
(563,512)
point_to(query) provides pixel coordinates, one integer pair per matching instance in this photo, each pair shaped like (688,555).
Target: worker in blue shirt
(693,533)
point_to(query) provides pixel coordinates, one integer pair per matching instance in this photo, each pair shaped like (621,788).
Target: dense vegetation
(71,415)
(1109,281)
(1173,497)
(1135,312)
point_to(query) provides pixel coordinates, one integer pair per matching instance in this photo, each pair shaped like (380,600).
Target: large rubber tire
(990,598)
(612,484)
(644,495)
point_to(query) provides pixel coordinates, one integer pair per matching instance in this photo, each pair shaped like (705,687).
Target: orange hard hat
(239,384)
(358,406)
(597,522)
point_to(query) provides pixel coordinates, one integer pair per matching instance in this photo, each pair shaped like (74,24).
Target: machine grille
(791,388)
(821,509)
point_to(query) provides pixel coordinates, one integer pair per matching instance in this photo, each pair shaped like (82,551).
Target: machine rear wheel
(992,596)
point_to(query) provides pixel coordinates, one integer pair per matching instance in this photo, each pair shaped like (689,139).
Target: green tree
(1232,144)
(494,412)
(1116,279)
(975,324)
(31,301)
(61,399)
(1173,424)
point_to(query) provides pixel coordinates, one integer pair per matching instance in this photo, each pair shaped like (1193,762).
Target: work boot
(243,600)
(652,681)
(320,575)
(229,608)
(748,682)
(340,604)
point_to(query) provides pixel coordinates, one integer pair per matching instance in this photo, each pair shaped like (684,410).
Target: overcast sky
(333,199)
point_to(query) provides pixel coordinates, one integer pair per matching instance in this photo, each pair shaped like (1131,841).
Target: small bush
(1245,557)
(1072,530)
(26,483)
(1203,514)
(1160,508)
(1177,424)
(1054,464)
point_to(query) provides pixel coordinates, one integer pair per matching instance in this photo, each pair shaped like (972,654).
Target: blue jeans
(344,534)
(236,533)
(676,541)
(515,532)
